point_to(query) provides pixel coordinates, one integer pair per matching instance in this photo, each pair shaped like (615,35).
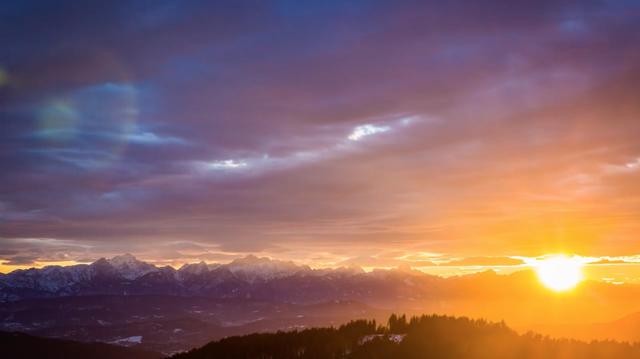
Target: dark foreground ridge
(23,346)
(421,337)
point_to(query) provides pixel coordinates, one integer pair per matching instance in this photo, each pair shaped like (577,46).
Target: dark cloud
(467,127)
(20,260)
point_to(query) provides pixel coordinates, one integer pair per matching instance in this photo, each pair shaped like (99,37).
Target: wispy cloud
(366,130)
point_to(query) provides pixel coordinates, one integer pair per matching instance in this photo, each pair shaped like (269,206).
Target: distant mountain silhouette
(264,279)
(425,337)
(124,275)
(114,299)
(23,346)
(623,329)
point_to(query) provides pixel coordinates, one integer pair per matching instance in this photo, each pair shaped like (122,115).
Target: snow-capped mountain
(124,274)
(193,269)
(250,277)
(50,279)
(252,268)
(129,267)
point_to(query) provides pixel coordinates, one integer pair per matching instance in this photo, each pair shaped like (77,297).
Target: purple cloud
(290,128)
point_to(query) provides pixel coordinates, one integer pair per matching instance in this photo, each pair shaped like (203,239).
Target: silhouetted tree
(427,336)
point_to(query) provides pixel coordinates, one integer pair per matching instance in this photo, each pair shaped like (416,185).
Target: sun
(559,272)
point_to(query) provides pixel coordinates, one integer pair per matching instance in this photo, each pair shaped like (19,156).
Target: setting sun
(559,273)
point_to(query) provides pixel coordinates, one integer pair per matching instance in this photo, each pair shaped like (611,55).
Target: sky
(371,133)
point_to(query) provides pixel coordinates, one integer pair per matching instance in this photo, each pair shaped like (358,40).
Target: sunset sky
(445,135)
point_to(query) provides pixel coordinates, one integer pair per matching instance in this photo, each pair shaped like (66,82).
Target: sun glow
(560,273)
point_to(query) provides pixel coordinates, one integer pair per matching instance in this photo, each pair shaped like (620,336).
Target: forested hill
(23,346)
(420,337)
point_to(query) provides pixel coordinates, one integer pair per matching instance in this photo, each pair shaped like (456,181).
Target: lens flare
(58,121)
(4,77)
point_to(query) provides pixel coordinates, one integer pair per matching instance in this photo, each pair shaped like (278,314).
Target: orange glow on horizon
(6,268)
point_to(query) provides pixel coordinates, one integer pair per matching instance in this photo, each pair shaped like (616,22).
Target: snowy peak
(247,277)
(252,268)
(348,270)
(124,260)
(51,278)
(128,266)
(193,269)
(252,261)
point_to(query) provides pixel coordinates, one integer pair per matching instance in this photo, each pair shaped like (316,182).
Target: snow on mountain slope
(252,268)
(50,278)
(192,269)
(129,267)
(248,277)
(104,273)
(54,279)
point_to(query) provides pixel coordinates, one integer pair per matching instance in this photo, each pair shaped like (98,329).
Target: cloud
(382,262)
(608,261)
(366,130)
(152,138)
(223,165)
(392,128)
(20,260)
(485,262)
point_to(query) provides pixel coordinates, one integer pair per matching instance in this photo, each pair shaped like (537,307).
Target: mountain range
(265,279)
(125,275)
(125,301)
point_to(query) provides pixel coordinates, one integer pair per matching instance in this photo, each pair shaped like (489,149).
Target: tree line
(427,336)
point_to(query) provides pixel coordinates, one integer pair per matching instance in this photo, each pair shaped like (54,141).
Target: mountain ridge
(273,281)
(248,277)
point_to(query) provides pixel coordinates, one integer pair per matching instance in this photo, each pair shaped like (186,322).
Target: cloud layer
(322,131)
